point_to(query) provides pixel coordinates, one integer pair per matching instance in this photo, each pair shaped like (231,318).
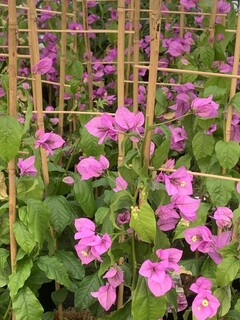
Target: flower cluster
(157,273)
(106,294)
(91,167)
(179,187)
(201,238)
(205,304)
(91,246)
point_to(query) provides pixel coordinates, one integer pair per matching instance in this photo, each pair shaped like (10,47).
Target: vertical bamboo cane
(75,20)
(136,55)
(12,70)
(130,40)
(154,54)
(230,108)
(88,50)
(62,65)
(181,24)
(212,21)
(34,51)
(120,86)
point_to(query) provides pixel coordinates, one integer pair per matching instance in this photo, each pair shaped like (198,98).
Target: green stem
(134,270)
(8,310)
(166,122)
(72,155)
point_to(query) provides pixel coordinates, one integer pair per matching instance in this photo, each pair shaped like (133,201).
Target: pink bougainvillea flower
(168,217)
(102,244)
(49,141)
(121,184)
(128,121)
(205,107)
(171,258)
(106,295)
(201,284)
(179,182)
(68,180)
(223,217)
(90,167)
(27,166)
(2,92)
(86,254)
(43,66)
(223,6)
(219,242)
(123,217)
(187,206)
(199,238)
(189,4)
(159,282)
(178,138)
(85,228)
(169,164)
(102,127)
(114,276)
(211,129)
(205,305)
(238,187)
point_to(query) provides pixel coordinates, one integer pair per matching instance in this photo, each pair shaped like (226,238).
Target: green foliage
(203,145)
(10,137)
(227,270)
(161,154)
(144,223)
(145,305)
(83,298)
(227,153)
(220,191)
(83,192)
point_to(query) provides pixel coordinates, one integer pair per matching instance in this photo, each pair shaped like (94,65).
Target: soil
(72,314)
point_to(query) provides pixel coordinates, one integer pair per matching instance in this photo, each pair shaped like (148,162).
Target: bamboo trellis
(124,66)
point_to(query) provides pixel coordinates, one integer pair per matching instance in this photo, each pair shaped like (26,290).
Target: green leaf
(217,92)
(227,153)
(10,137)
(38,221)
(227,270)
(144,223)
(23,237)
(224,297)
(4,254)
(55,270)
(162,102)
(202,144)
(48,316)
(84,195)
(89,144)
(235,101)
(184,161)
(36,279)
(187,77)
(26,306)
(29,188)
(61,212)
(209,268)
(220,191)
(193,265)
(101,214)
(83,298)
(72,264)
(207,55)
(59,296)
(77,69)
(145,305)
(28,115)
(124,313)
(161,153)
(19,276)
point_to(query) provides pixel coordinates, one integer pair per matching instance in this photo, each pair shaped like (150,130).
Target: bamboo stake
(200,73)
(154,55)
(76,31)
(212,21)
(120,86)
(130,40)
(12,70)
(136,56)
(75,41)
(89,57)
(62,65)
(181,24)
(38,85)
(230,108)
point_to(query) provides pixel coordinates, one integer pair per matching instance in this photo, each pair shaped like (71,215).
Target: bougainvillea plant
(163,238)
